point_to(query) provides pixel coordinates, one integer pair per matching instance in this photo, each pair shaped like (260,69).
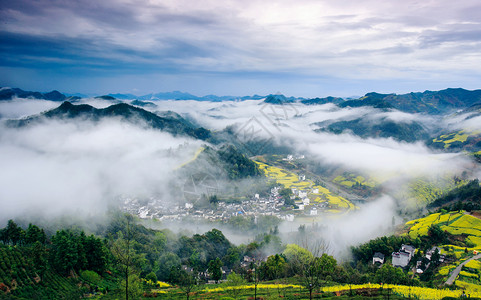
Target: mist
(81,168)
(60,167)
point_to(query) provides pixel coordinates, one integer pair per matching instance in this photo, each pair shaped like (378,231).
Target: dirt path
(456,271)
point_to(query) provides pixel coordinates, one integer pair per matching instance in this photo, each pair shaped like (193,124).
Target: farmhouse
(378,258)
(403,257)
(400,259)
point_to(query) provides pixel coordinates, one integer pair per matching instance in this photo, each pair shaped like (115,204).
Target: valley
(283,196)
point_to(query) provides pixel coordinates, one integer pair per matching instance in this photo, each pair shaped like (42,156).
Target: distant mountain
(123,96)
(10,93)
(431,102)
(168,122)
(437,102)
(382,128)
(106,97)
(371,99)
(143,103)
(335,100)
(279,99)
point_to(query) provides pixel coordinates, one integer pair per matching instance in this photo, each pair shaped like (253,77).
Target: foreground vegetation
(123,259)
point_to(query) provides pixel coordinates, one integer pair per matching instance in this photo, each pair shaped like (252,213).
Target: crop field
(459,137)
(413,291)
(456,223)
(291,180)
(276,291)
(473,264)
(419,227)
(425,192)
(349,180)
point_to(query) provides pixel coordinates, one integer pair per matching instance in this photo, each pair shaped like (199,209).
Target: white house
(378,258)
(409,249)
(313,212)
(400,259)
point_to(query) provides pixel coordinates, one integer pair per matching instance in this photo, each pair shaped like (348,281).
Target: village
(273,205)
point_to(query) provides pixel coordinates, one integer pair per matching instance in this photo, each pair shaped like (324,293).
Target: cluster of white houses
(272,205)
(402,258)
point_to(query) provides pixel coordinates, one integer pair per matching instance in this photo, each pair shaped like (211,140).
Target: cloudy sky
(303,48)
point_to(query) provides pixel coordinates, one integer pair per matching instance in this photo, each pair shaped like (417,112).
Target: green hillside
(169,122)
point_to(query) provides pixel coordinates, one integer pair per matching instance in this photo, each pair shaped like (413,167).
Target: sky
(306,48)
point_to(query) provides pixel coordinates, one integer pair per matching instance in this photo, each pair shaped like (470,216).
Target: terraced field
(454,222)
(456,139)
(349,180)
(315,193)
(457,223)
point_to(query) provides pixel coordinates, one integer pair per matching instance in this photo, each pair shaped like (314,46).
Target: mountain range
(167,121)
(429,102)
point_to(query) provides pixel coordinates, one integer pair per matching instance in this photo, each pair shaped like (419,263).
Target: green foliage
(133,288)
(273,268)
(238,165)
(90,276)
(385,245)
(235,281)
(74,252)
(215,269)
(166,262)
(391,275)
(467,197)
(383,128)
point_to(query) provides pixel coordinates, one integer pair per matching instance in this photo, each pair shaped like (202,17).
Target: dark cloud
(318,40)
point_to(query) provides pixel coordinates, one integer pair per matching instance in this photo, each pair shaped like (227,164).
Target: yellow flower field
(473,264)
(252,286)
(454,223)
(291,180)
(411,291)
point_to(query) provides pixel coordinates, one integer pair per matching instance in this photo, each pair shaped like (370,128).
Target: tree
(133,288)
(274,267)
(64,253)
(297,257)
(96,254)
(14,233)
(38,253)
(34,234)
(215,269)
(315,269)
(152,277)
(128,260)
(186,280)
(254,276)
(436,234)
(166,262)
(286,194)
(235,281)
(390,274)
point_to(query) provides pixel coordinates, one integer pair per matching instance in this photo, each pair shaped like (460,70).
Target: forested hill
(173,124)
(432,102)
(381,128)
